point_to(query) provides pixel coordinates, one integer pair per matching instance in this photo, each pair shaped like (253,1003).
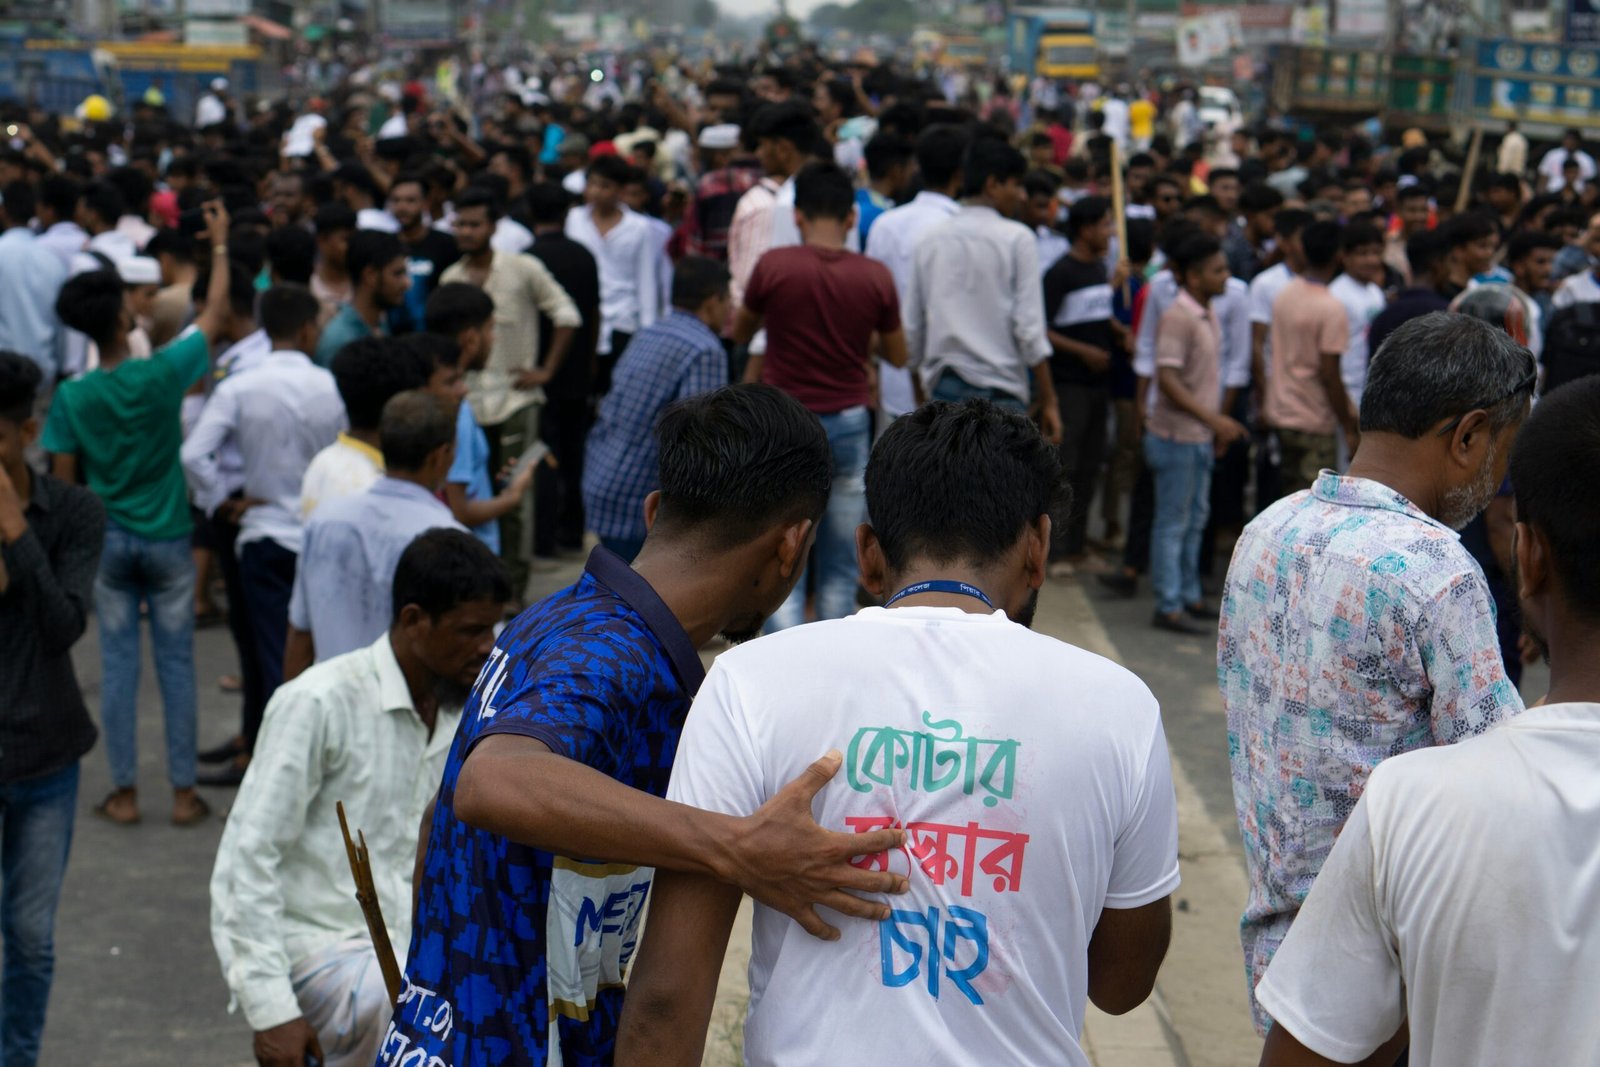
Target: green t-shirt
(346,325)
(123,425)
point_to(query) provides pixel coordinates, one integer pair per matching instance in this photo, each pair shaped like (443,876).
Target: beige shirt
(1189,340)
(1308,322)
(1513,154)
(520,287)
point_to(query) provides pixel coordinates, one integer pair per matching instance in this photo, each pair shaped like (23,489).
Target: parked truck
(1055,42)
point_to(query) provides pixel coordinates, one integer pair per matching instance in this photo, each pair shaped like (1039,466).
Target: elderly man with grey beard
(1355,626)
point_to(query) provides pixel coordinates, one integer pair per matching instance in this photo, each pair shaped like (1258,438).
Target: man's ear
(873,563)
(1468,439)
(1037,554)
(1531,550)
(794,546)
(29,430)
(652,505)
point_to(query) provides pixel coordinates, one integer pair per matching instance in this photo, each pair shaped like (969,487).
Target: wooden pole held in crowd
(1119,211)
(367,897)
(1464,194)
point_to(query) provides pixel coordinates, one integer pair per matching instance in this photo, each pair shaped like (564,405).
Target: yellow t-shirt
(1142,119)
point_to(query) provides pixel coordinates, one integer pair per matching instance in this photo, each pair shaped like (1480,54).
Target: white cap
(723,136)
(219,85)
(139,270)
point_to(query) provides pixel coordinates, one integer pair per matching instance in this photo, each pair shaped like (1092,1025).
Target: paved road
(138,985)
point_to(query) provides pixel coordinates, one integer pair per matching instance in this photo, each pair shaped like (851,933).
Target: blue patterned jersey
(507,937)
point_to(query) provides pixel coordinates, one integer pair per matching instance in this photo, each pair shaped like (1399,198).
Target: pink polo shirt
(1188,339)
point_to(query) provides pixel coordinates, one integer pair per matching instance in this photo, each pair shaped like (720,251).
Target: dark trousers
(1229,479)
(1141,521)
(266,570)
(1084,410)
(605,364)
(558,494)
(224,536)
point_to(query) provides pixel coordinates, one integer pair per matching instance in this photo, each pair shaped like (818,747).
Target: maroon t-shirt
(822,307)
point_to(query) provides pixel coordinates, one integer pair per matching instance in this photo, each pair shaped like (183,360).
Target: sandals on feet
(120,806)
(188,809)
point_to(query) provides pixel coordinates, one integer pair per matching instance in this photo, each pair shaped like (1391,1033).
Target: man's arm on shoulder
(673,987)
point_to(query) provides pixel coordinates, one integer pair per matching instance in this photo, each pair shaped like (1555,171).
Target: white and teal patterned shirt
(1354,628)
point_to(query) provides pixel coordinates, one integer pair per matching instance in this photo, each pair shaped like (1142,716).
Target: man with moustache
(1355,626)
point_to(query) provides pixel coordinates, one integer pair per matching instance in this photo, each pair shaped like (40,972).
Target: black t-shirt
(1077,304)
(426,259)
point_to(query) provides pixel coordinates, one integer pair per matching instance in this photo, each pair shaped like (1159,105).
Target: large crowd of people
(857,362)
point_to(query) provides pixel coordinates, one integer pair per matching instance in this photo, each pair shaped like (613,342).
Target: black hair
(60,194)
(790,122)
(1555,466)
(241,287)
(1360,235)
(1086,211)
(738,460)
(285,310)
(105,200)
(1414,191)
(292,253)
(1192,252)
(410,177)
(1222,173)
(824,191)
(1423,250)
(1508,182)
(1164,179)
(1466,228)
(135,187)
(333,217)
(19,386)
(1320,242)
(442,569)
(843,93)
(431,350)
(247,245)
(18,201)
(355,174)
(369,371)
(457,306)
(371,249)
(171,243)
(415,424)
(883,153)
(1141,159)
(517,156)
(959,483)
(1207,205)
(697,279)
(1174,232)
(1524,243)
(612,169)
(940,150)
(548,203)
(1141,240)
(990,157)
(1038,182)
(91,303)
(1441,365)
(1259,196)
(479,196)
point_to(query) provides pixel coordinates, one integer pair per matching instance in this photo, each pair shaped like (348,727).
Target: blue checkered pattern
(674,357)
(601,673)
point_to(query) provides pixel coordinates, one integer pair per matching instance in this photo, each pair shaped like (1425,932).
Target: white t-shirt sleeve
(1144,865)
(716,768)
(1336,982)
(1261,295)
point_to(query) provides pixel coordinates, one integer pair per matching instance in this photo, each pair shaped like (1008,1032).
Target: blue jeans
(834,560)
(35,837)
(1183,503)
(954,388)
(135,571)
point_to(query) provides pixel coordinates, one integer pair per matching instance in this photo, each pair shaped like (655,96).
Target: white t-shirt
(1580,288)
(1264,290)
(1362,302)
(1461,896)
(992,744)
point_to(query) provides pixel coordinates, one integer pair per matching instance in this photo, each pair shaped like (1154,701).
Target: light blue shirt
(471,469)
(31,275)
(344,584)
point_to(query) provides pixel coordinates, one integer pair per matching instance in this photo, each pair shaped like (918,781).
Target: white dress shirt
(281,414)
(975,306)
(344,581)
(66,239)
(345,730)
(510,236)
(1052,246)
(630,291)
(891,241)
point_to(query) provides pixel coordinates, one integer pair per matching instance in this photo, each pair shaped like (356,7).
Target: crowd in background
(250,358)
